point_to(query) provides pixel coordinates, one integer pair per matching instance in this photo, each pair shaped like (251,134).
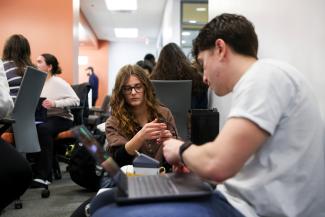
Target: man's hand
(171,151)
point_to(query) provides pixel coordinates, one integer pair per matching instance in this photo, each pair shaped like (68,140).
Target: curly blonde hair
(121,110)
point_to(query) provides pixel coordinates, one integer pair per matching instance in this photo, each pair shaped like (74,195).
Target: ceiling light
(192,21)
(126,32)
(183,42)
(201,9)
(186,33)
(121,5)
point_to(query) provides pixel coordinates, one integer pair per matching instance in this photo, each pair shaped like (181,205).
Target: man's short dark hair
(90,68)
(235,30)
(149,57)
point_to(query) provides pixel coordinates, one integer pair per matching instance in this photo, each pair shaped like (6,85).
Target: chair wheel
(45,193)
(18,204)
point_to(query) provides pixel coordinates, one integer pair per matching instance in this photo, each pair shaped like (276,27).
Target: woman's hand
(150,131)
(153,130)
(164,135)
(48,103)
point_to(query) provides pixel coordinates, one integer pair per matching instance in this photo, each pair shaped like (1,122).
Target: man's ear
(220,47)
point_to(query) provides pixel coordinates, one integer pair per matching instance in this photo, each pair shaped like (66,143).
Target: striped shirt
(14,80)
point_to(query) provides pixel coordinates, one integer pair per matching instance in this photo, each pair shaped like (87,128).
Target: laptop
(134,189)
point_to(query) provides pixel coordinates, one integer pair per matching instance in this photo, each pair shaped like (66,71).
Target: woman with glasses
(138,121)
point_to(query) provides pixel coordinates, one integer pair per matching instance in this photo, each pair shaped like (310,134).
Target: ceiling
(147,19)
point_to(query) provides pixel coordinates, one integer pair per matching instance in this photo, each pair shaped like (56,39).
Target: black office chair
(98,115)
(176,95)
(64,142)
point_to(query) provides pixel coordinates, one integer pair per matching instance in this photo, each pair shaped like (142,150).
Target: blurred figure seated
(59,96)
(146,65)
(172,64)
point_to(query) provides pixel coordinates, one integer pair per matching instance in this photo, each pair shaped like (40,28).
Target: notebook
(134,189)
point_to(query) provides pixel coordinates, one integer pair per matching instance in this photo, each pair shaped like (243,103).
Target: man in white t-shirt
(269,155)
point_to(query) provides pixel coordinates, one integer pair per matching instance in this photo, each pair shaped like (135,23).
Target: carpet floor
(65,197)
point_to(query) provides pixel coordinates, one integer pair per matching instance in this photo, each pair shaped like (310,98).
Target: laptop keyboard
(143,186)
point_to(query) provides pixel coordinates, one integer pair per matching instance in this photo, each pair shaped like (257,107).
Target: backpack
(83,169)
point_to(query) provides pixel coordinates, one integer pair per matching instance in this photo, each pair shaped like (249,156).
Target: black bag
(204,125)
(84,170)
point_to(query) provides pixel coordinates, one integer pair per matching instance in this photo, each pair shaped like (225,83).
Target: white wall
(171,24)
(121,53)
(290,30)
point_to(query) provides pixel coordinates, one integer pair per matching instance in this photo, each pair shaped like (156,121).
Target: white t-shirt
(286,176)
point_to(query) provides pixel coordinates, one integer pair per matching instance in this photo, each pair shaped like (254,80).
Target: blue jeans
(213,206)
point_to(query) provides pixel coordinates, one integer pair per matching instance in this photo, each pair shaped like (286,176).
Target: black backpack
(83,169)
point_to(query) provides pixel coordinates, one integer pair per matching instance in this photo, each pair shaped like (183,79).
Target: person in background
(173,65)
(15,172)
(93,81)
(146,65)
(269,156)
(59,96)
(150,58)
(16,57)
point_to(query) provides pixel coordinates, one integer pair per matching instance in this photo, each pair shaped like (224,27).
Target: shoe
(39,183)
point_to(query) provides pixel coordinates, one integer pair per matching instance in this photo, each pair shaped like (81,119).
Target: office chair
(176,95)
(98,115)
(22,120)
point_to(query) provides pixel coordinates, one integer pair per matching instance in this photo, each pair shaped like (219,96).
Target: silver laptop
(133,189)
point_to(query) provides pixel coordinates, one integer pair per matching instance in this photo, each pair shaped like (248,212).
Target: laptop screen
(102,157)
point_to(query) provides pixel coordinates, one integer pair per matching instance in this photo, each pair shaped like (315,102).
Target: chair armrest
(95,109)
(75,107)
(5,123)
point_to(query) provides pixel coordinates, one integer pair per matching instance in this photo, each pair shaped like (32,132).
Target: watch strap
(182,148)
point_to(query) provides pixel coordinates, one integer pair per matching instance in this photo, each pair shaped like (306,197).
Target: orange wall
(47,24)
(98,59)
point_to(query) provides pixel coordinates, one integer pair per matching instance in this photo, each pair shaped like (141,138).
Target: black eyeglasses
(128,89)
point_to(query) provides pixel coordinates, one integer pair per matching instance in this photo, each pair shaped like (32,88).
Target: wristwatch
(182,148)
